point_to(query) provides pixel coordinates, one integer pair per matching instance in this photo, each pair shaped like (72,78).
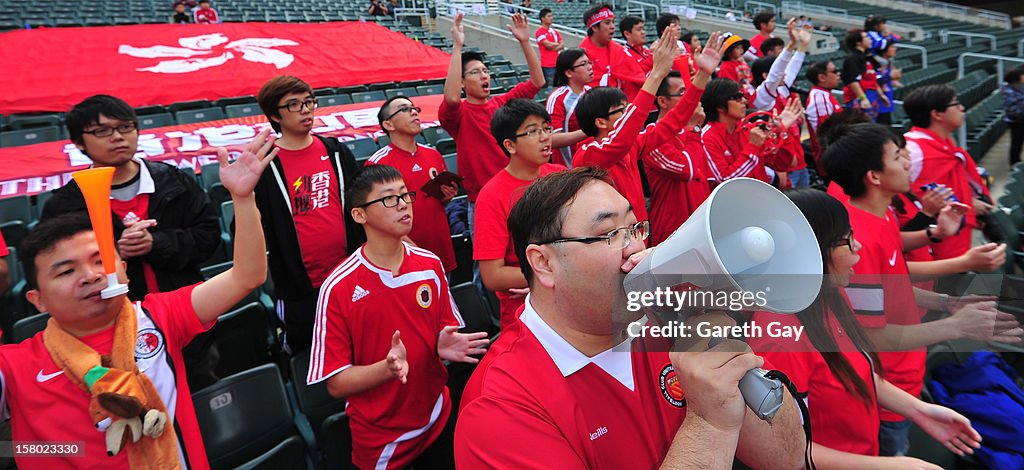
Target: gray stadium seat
(198,115)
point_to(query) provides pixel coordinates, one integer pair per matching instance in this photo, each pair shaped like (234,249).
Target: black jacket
(187,231)
(287,269)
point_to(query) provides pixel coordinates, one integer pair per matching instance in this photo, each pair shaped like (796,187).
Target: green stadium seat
(199,115)
(452,162)
(150,121)
(445,146)
(406,92)
(30,136)
(183,105)
(29,121)
(334,100)
(361,148)
(224,102)
(426,90)
(434,134)
(367,96)
(243,110)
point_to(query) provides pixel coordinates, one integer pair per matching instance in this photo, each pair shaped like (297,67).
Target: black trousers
(1016,140)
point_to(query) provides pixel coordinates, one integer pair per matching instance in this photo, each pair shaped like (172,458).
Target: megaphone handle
(762,394)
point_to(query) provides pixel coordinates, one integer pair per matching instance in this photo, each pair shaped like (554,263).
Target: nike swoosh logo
(41,377)
(325,157)
(892,261)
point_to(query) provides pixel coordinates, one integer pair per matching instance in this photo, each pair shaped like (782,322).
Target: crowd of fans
(188,11)
(360,259)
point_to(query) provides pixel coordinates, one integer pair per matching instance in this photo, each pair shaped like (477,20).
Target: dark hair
(275,89)
(687,37)
(716,95)
(88,112)
(761,66)
(815,70)
(45,236)
(540,213)
(508,118)
(564,64)
(362,185)
(664,21)
(853,38)
(663,86)
(591,12)
(831,223)
(543,12)
(771,43)
(857,150)
(920,103)
(385,110)
(833,126)
(468,57)
(627,24)
(203,1)
(874,22)
(763,17)
(595,104)
(1013,75)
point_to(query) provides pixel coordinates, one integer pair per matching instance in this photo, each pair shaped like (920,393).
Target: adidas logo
(416,167)
(359,293)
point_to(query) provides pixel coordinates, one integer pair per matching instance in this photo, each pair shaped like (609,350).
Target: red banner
(53,69)
(44,167)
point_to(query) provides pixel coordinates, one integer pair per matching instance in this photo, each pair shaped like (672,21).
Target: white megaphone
(746,237)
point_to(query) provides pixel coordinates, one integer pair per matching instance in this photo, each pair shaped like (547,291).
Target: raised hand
(665,51)
(711,55)
(240,176)
(460,347)
(458,35)
(791,30)
(520,30)
(804,36)
(794,110)
(949,218)
(398,365)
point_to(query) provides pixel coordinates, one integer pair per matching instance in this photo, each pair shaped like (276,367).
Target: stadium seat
(337,437)
(350,89)
(333,100)
(191,116)
(463,272)
(318,92)
(29,136)
(243,110)
(227,212)
(434,134)
(367,96)
(29,121)
(28,327)
(184,105)
(452,162)
(407,92)
(313,400)
(153,109)
(14,232)
(16,208)
(225,102)
(381,86)
(361,148)
(474,309)
(427,90)
(244,338)
(246,422)
(445,146)
(150,121)
(209,174)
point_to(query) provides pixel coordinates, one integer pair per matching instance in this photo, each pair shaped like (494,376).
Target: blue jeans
(894,438)
(476,266)
(799,178)
(549,75)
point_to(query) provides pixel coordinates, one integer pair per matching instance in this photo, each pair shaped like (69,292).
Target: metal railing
(760,6)
(815,9)
(945,34)
(636,6)
(1020,48)
(961,66)
(922,49)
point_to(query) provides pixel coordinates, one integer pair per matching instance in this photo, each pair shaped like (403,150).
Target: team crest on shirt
(433,172)
(148,343)
(424,295)
(668,382)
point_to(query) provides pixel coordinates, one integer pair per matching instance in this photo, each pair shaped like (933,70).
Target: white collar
(616,362)
(146,185)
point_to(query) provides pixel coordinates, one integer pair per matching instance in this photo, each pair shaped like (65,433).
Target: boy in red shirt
(865,161)
(732,152)
(206,14)
(468,121)
(613,126)
(565,387)
(419,164)
(47,394)
(764,23)
(384,321)
(549,42)
(733,66)
(632,30)
(612,65)
(936,158)
(524,131)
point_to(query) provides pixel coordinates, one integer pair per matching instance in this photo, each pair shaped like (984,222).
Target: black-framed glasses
(109,131)
(738,97)
(616,111)
(484,70)
(954,103)
(404,109)
(848,242)
(618,237)
(676,95)
(536,132)
(296,105)
(584,64)
(392,200)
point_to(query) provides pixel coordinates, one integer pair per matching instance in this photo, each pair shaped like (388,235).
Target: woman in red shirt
(834,365)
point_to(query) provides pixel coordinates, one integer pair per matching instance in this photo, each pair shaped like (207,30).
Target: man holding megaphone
(107,364)
(566,388)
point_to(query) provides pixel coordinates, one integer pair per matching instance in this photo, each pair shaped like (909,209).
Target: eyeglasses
(482,71)
(392,200)
(109,131)
(954,103)
(738,97)
(616,111)
(536,132)
(848,241)
(296,105)
(639,231)
(404,109)
(673,94)
(584,64)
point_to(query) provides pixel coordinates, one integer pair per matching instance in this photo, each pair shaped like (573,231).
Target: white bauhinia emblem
(198,52)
